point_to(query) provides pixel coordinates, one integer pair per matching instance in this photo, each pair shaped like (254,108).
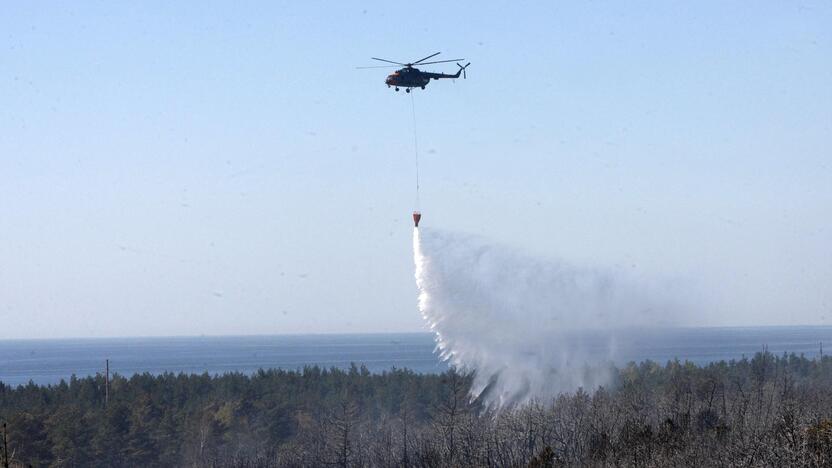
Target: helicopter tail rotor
(462,68)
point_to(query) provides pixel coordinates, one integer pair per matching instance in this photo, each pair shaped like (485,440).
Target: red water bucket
(416,217)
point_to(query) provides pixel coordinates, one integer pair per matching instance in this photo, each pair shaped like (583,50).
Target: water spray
(528,328)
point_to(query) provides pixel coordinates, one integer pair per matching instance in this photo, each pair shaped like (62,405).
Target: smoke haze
(527,327)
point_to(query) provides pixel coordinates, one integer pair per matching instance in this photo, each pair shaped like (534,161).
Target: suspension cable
(415,147)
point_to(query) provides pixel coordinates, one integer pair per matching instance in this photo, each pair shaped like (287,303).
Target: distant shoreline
(49,360)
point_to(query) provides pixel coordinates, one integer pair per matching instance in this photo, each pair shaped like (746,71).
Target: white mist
(528,328)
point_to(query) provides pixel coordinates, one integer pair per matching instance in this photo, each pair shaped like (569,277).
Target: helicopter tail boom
(461,71)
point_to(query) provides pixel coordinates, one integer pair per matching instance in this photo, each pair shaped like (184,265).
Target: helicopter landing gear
(397,89)
(407,90)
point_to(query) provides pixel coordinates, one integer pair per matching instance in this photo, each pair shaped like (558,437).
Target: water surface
(49,361)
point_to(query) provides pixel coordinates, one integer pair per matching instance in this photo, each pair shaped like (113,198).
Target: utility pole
(106,382)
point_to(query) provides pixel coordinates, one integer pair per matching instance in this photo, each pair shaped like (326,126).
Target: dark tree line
(765,411)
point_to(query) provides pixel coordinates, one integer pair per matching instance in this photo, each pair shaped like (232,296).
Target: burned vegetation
(765,411)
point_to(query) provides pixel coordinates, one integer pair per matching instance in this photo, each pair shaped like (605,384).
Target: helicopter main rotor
(410,65)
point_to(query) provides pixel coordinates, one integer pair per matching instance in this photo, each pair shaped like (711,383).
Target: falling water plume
(527,328)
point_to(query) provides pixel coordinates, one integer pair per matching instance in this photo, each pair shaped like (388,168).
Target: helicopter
(411,77)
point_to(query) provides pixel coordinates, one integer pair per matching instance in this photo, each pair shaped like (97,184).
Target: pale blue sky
(209,168)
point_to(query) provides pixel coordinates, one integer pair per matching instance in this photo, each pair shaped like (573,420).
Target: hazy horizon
(373,333)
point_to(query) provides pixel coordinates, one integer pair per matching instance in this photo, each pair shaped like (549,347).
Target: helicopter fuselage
(410,77)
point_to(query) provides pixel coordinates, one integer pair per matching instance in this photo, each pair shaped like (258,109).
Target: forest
(767,410)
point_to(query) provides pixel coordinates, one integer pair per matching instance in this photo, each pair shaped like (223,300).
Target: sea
(49,361)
